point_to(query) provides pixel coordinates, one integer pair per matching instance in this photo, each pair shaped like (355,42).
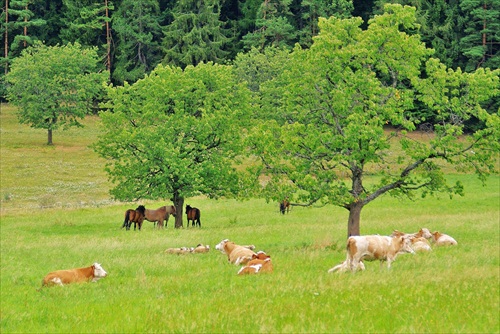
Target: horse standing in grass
(285,206)
(194,215)
(159,215)
(134,216)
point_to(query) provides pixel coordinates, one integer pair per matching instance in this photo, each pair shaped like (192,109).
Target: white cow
(374,247)
(441,239)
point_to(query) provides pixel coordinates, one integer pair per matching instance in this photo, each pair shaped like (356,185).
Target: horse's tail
(198,214)
(127,218)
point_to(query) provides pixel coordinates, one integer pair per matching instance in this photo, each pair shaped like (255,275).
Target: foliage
(255,67)
(54,86)
(196,34)
(138,47)
(325,117)
(175,134)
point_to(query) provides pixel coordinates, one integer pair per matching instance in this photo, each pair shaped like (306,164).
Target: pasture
(56,215)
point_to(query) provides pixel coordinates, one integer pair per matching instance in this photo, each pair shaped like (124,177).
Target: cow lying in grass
(373,247)
(87,274)
(261,262)
(186,250)
(236,254)
(441,239)
(419,241)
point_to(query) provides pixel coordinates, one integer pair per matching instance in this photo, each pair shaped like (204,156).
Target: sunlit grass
(453,289)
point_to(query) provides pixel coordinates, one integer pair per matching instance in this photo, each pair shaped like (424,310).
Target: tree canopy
(54,86)
(324,119)
(175,134)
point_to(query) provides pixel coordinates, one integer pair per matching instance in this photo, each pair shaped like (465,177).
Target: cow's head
(261,256)
(425,233)
(406,245)
(99,271)
(220,245)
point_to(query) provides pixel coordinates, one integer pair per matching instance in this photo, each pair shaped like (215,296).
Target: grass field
(56,214)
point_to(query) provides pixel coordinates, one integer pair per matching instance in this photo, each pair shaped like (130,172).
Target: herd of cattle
(359,248)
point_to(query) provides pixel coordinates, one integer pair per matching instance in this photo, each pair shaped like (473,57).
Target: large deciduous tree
(325,136)
(175,134)
(55,86)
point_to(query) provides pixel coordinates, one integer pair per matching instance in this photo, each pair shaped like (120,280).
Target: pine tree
(481,43)
(196,34)
(138,30)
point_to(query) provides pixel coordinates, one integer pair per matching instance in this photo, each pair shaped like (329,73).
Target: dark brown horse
(194,215)
(285,206)
(159,215)
(134,216)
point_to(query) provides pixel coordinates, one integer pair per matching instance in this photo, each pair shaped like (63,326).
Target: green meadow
(56,214)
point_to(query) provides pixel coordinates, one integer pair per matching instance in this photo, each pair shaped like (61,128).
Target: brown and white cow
(261,262)
(179,250)
(87,274)
(375,247)
(441,239)
(201,249)
(419,241)
(236,254)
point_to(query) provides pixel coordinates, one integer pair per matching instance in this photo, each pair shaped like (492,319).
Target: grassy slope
(449,290)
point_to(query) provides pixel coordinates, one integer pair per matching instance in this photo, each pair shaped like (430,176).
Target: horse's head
(173,211)
(188,208)
(141,209)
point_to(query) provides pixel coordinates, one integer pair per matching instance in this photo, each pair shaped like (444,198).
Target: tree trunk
(49,137)
(179,205)
(354,219)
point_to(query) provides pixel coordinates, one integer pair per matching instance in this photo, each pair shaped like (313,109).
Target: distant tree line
(133,37)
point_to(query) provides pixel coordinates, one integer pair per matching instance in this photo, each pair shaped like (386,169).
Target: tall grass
(451,289)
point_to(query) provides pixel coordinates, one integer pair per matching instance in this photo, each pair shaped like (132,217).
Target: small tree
(175,134)
(54,86)
(326,117)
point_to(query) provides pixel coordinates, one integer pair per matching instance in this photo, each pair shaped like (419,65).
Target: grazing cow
(375,247)
(261,262)
(441,239)
(235,253)
(61,277)
(201,249)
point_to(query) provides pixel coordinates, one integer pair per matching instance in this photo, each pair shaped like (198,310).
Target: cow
(419,240)
(61,277)
(441,239)
(375,247)
(261,262)
(345,266)
(236,254)
(201,249)
(179,250)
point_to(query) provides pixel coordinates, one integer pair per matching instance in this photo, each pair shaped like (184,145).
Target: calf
(261,262)
(236,254)
(375,247)
(61,277)
(441,239)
